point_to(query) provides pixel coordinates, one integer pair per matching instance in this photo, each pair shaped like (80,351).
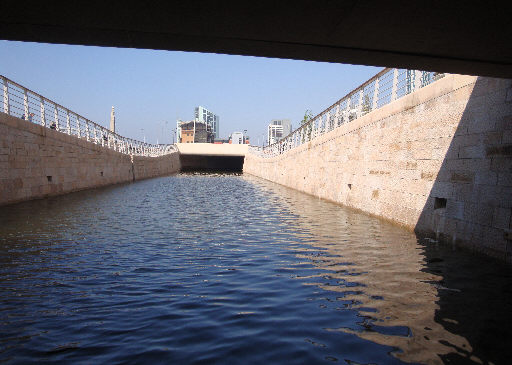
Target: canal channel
(229,268)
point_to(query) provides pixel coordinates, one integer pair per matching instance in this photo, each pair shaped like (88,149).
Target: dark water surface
(232,269)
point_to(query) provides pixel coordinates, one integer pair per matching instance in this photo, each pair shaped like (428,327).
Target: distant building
(238,138)
(278,129)
(204,115)
(194,132)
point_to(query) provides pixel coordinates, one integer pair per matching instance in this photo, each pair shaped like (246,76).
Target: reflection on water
(233,269)
(430,301)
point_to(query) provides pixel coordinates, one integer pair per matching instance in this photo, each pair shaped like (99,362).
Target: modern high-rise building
(278,129)
(204,115)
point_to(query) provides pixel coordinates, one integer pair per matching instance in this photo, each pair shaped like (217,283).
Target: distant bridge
(208,156)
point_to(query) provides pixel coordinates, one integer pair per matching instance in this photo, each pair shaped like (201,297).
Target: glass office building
(204,115)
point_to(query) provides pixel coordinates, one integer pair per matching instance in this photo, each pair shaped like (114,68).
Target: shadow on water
(430,302)
(470,205)
(474,301)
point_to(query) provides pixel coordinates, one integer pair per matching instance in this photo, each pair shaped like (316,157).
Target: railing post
(346,117)
(43,116)
(417,80)
(68,126)
(395,84)
(327,126)
(360,105)
(25,103)
(375,94)
(6,97)
(87,129)
(338,111)
(56,115)
(78,126)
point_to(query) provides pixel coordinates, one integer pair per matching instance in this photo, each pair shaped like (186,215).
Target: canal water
(231,269)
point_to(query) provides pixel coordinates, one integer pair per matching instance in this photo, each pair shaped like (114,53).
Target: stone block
(422,154)
(507,137)
(480,121)
(502,218)
(489,240)
(499,164)
(465,140)
(468,165)
(504,179)
(493,195)
(475,152)
(455,209)
(508,98)
(504,123)
(465,230)
(464,177)
(466,193)
(506,196)
(442,190)
(450,227)
(485,178)
(478,213)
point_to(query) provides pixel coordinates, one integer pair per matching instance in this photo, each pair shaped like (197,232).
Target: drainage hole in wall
(101,173)
(439,203)
(49,178)
(350,186)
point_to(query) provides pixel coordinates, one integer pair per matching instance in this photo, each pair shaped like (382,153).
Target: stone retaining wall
(37,162)
(438,161)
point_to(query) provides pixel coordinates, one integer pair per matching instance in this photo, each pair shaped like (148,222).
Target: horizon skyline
(152,89)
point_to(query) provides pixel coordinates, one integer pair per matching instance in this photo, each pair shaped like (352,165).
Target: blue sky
(151,89)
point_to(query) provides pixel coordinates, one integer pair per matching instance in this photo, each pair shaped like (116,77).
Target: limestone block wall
(146,167)
(37,162)
(438,161)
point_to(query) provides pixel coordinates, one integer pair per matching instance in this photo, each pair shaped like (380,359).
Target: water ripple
(199,268)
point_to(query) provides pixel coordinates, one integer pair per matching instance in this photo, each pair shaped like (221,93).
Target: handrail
(386,86)
(24,103)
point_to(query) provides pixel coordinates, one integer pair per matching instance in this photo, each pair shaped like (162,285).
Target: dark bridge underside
(458,37)
(211,163)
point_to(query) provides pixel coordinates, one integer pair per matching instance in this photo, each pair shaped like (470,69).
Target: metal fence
(23,103)
(385,87)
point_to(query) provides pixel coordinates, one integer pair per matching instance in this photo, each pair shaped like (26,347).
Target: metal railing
(385,87)
(23,103)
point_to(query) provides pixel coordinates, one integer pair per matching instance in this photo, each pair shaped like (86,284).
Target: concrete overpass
(207,156)
(466,38)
